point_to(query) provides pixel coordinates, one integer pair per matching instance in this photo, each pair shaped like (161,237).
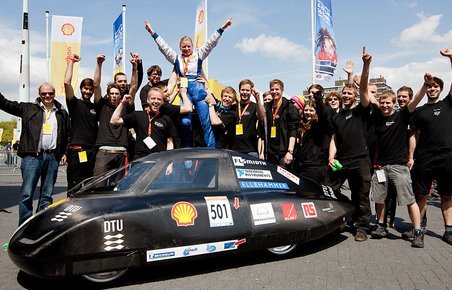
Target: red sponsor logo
(289,211)
(309,210)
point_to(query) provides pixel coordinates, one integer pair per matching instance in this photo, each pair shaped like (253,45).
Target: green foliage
(8,129)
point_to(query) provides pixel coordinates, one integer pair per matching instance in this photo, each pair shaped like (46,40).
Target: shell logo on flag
(67,29)
(184,213)
(201,16)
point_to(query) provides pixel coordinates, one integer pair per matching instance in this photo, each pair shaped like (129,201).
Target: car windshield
(119,179)
(186,174)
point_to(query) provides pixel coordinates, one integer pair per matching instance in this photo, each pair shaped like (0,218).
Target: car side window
(185,174)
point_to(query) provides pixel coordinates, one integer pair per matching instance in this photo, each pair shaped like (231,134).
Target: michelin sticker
(253,174)
(263,213)
(239,161)
(219,211)
(192,250)
(292,177)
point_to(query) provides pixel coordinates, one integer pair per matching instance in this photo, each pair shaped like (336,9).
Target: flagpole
(124,36)
(47,46)
(24,89)
(313,39)
(205,37)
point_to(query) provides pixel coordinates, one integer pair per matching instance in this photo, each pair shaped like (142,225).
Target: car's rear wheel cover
(282,250)
(105,276)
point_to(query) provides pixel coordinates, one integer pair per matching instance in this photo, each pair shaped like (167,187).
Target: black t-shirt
(109,134)
(246,142)
(144,94)
(172,111)
(225,132)
(350,127)
(434,123)
(391,132)
(83,122)
(162,128)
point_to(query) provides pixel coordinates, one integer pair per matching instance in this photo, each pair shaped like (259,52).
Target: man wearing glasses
(45,128)
(154,76)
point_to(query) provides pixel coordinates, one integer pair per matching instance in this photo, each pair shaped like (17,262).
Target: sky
(268,39)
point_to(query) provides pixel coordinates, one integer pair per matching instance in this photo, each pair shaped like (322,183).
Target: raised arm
(349,66)
(172,82)
(116,118)
(260,111)
(448,53)
(97,78)
(164,48)
(363,89)
(205,50)
(134,80)
(68,89)
(428,78)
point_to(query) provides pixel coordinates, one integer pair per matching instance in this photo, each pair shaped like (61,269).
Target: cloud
(274,46)
(423,32)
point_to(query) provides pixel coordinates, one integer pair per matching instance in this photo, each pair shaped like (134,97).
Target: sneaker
(379,232)
(418,240)
(408,235)
(447,237)
(360,237)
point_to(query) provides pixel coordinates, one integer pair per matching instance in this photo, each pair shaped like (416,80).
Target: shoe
(360,237)
(379,232)
(447,237)
(418,239)
(391,224)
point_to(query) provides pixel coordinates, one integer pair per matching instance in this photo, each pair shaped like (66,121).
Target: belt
(47,151)
(113,151)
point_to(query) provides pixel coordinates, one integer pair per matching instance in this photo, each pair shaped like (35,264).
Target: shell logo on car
(184,213)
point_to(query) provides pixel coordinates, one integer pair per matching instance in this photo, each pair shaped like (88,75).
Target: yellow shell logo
(67,29)
(184,213)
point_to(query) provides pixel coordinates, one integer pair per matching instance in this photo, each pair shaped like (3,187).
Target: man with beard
(81,151)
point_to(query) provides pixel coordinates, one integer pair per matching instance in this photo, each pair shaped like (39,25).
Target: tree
(8,129)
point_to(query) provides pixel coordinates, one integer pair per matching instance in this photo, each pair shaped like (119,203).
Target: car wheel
(282,250)
(105,276)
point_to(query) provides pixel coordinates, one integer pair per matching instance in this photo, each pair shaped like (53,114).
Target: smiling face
(186,46)
(227,98)
(47,95)
(348,98)
(433,92)
(403,98)
(276,92)
(245,93)
(155,100)
(87,92)
(309,112)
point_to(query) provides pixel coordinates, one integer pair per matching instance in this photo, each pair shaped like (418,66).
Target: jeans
(44,166)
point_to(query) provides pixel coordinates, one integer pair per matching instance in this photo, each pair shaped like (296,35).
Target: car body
(175,205)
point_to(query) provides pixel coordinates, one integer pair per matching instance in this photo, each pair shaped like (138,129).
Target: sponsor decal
(219,211)
(330,208)
(262,213)
(236,202)
(253,174)
(328,191)
(184,213)
(239,161)
(289,175)
(309,210)
(192,250)
(67,212)
(263,184)
(113,242)
(289,211)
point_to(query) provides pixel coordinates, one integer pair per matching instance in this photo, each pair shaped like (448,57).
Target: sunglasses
(47,94)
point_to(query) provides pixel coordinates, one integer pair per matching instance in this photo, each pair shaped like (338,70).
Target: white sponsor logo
(158,124)
(328,191)
(348,117)
(389,123)
(219,210)
(330,208)
(262,213)
(253,174)
(295,179)
(239,161)
(113,242)
(61,216)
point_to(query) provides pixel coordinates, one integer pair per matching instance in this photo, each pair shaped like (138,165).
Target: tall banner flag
(118,47)
(66,39)
(201,28)
(324,46)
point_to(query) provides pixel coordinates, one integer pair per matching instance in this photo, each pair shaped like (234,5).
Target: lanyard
(275,112)
(244,110)
(150,124)
(186,61)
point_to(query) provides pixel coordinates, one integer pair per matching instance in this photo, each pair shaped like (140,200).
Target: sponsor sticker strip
(263,184)
(289,175)
(239,161)
(253,174)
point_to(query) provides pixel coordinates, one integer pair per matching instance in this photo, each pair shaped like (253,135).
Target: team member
(334,101)
(247,116)
(81,152)
(282,124)
(45,129)
(154,131)
(189,65)
(433,154)
(154,73)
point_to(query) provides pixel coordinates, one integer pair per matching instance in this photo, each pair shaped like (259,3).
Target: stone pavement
(334,262)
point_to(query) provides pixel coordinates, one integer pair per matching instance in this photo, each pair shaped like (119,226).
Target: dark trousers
(78,171)
(357,172)
(108,160)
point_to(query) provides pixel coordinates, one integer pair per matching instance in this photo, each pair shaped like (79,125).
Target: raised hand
(148,27)
(100,58)
(227,24)
(367,58)
(446,52)
(75,58)
(428,78)
(349,66)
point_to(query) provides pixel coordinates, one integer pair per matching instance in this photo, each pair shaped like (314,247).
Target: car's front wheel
(105,276)
(282,250)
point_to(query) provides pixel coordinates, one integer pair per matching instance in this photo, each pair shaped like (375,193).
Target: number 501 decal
(219,211)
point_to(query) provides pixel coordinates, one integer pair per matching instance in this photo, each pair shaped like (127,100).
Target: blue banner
(325,43)
(118,50)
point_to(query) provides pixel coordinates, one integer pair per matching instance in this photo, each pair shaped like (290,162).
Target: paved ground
(335,262)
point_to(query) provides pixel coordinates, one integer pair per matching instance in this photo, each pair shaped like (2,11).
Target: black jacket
(32,120)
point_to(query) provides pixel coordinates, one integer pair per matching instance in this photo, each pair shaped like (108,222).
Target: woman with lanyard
(154,131)
(282,124)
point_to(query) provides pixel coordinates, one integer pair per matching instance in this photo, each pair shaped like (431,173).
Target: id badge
(273,132)
(183,82)
(381,177)
(239,129)
(82,157)
(47,129)
(149,142)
